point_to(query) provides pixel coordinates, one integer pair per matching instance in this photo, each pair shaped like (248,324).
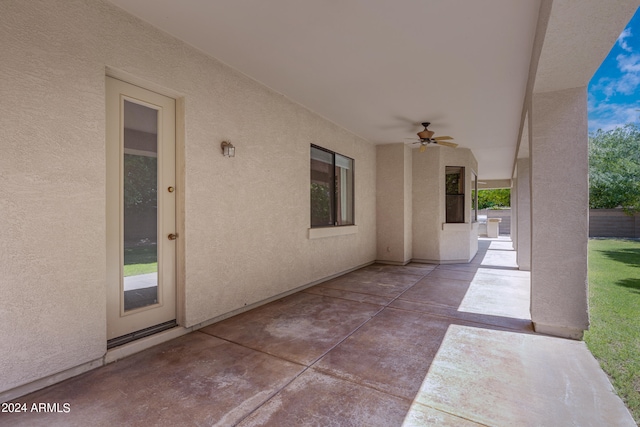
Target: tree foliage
(614,169)
(140,182)
(320,203)
(488,199)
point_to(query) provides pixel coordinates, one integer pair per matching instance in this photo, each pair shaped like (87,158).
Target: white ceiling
(377,67)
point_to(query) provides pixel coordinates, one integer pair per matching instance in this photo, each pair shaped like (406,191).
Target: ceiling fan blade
(422,148)
(447,144)
(440,138)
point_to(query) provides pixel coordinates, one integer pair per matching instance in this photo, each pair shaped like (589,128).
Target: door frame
(179,194)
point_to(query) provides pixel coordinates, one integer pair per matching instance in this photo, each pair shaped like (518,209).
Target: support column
(514,213)
(559,212)
(394,204)
(523,194)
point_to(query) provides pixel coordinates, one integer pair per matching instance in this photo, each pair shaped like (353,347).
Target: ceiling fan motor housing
(426,137)
(426,134)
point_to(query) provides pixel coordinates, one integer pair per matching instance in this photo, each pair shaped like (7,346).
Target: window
(331,188)
(474,197)
(454,189)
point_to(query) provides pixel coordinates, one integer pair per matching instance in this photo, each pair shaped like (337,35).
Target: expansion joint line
(306,368)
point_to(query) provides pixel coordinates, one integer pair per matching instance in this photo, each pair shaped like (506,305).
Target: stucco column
(523,219)
(559,212)
(394,203)
(514,212)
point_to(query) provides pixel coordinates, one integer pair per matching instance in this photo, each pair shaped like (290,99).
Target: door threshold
(144,343)
(125,339)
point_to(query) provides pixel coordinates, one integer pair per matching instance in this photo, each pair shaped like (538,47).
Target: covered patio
(381,346)
(330,271)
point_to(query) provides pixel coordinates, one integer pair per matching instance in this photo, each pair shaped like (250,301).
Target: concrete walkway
(417,345)
(140,281)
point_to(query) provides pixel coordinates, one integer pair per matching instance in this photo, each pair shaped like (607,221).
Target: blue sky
(614,90)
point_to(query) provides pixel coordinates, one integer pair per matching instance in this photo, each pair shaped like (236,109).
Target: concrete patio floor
(384,345)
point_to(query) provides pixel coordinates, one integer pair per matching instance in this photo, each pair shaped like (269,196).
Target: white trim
(319,233)
(454,226)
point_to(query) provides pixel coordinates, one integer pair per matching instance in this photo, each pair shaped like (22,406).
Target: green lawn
(614,299)
(140,260)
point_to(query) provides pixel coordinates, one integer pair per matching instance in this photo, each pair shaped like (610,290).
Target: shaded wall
(244,235)
(434,240)
(394,202)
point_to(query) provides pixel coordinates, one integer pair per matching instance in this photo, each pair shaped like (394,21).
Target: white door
(141,223)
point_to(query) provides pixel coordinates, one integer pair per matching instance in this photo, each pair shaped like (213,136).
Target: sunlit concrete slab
(497,295)
(140,281)
(500,243)
(503,258)
(503,272)
(421,415)
(497,378)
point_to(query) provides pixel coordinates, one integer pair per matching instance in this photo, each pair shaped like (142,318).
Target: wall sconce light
(228,150)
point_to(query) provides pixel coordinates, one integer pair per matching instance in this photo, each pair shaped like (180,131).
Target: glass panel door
(140,212)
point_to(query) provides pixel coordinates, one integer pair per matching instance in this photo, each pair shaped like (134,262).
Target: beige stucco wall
(462,157)
(461,245)
(246,218)
(428,203)
(514,213)
(394,216)
(408,203)
(433,240)
(523,219)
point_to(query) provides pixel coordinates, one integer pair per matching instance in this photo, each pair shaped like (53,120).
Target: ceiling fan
(426,137)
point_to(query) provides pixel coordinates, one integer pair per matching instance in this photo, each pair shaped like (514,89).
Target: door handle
(172,236)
